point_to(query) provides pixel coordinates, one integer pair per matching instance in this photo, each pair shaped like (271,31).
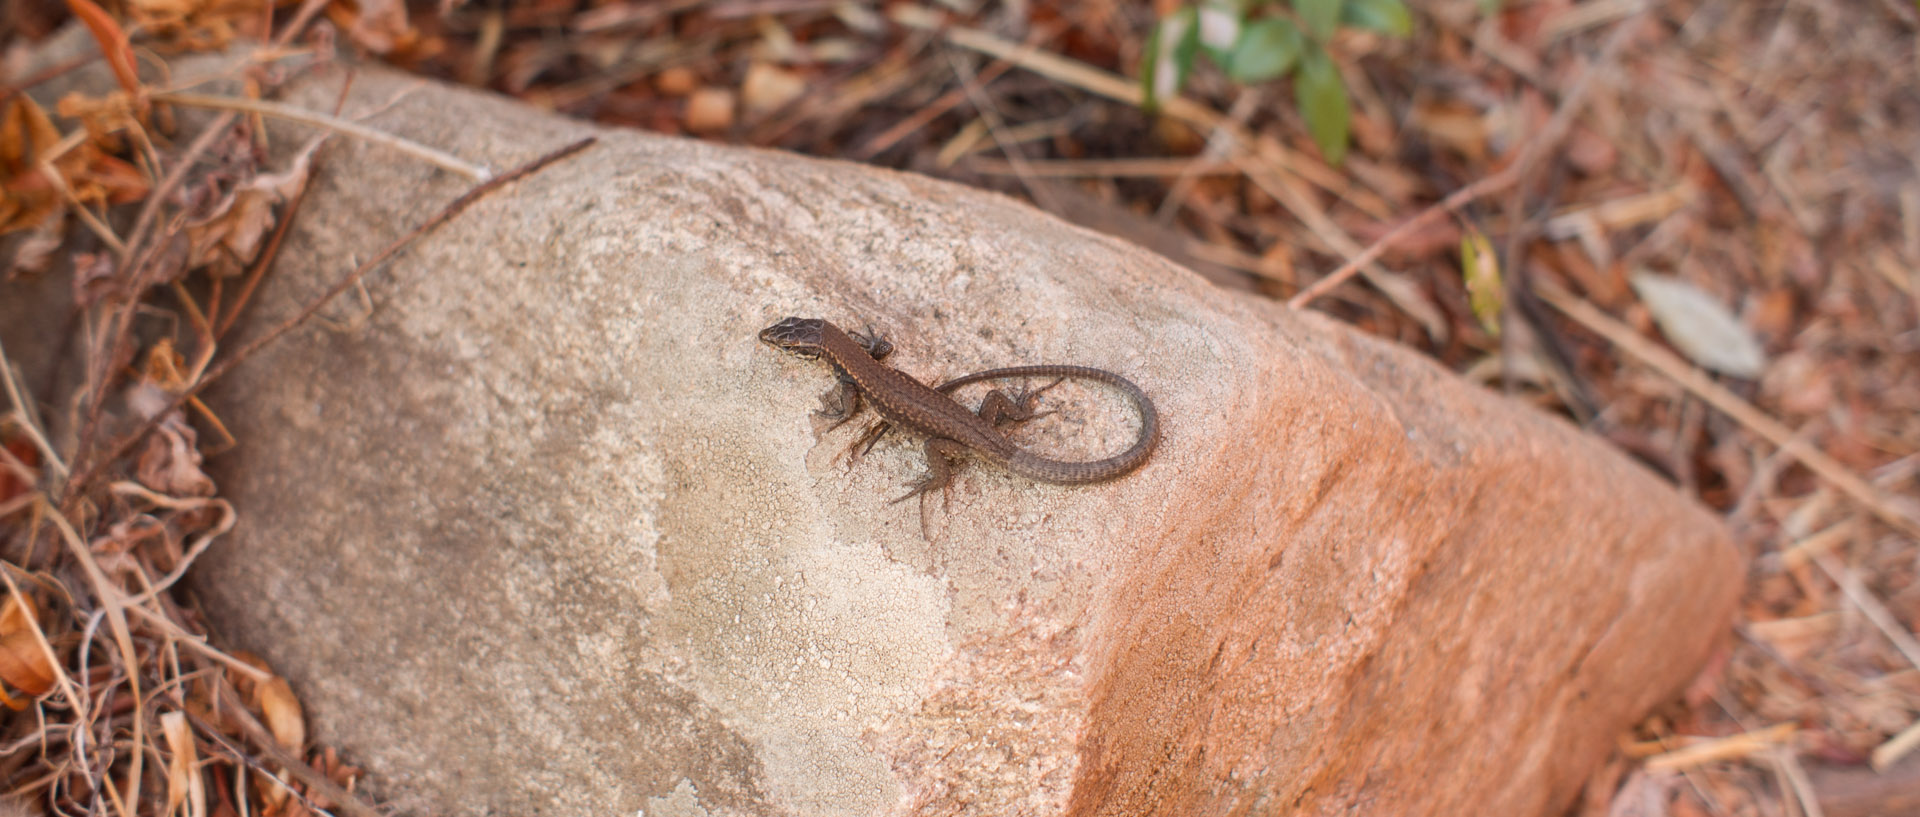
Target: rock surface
(546,531)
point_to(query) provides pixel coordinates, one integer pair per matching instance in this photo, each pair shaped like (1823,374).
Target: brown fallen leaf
(184,784)
(23,664)
(282,713)
(27,198)
(379,26)
(170,463)
(229,234)
(105,116)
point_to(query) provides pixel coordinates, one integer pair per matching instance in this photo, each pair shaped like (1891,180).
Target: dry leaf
(184,784)
(170,463)
(10,483)
(1700,326)
(104,117)
(229,235)
(768,87)
(710,110)
(18,614)
(26,134)
(281,711)
(112,40)
(34,254)
(379,26)
(93,278)
(23,665)
(1485,292)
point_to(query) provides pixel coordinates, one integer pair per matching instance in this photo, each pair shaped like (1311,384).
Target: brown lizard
(951,429)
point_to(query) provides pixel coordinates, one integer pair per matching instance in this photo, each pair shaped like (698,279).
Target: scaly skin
(951,430)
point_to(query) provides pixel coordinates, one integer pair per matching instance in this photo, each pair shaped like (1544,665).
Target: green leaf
(1323,103)
(1321,16)
(1385,16)
(1169,57)
(1492,7)
(1267,49)
(1481,269)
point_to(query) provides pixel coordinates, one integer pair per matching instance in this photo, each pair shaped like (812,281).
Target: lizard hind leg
(940,456)
(866,441)
(999,408)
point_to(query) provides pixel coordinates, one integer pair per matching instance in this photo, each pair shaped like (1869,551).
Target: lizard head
(803,337)
(800,336)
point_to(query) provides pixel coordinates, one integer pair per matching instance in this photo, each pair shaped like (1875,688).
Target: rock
(545,530)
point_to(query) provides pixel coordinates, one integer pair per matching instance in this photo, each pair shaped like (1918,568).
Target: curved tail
(1066,472)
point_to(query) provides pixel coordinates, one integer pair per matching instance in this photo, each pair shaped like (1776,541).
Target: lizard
(952,431)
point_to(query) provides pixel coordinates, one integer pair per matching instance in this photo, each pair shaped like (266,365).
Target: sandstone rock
(546,530)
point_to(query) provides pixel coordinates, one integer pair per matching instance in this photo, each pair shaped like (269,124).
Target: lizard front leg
(837,405)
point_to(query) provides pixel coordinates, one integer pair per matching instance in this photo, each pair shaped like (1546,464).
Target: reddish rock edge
(1348,583)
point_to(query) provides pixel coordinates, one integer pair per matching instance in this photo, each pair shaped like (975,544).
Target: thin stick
(446,214)
(306,117)
(1718,396)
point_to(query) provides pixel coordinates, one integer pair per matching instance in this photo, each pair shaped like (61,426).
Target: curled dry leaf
(170,463)
(229,234)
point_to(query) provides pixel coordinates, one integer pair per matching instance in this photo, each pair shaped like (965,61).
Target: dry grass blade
(22,412)
(356,130)
(108,595)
